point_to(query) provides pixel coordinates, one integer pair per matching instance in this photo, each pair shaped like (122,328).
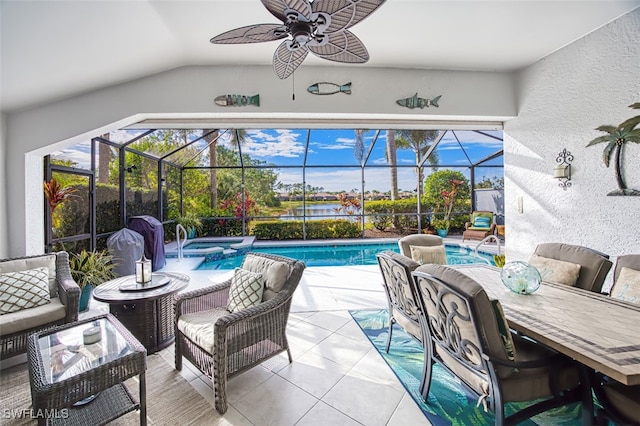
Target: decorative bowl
(520,277)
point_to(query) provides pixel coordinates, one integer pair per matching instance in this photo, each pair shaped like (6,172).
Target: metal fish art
(237,100)
(326,88)
(416,102)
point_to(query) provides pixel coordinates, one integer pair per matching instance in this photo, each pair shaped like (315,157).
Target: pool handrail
(484,240)
(178,242)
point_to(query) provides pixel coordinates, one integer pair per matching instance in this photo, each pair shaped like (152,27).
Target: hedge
(316,229)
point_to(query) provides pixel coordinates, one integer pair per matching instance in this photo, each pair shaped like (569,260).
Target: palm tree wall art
(616,139)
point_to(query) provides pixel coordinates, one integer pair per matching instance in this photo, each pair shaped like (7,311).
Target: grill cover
(126,246)
(153,232)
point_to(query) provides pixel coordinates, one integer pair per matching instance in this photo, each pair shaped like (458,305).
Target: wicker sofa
(62,307)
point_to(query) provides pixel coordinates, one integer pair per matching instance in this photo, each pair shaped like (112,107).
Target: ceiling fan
(319,26)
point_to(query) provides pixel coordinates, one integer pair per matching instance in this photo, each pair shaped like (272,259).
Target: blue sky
(286,147)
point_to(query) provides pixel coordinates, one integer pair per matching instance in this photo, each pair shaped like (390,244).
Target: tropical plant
(91,267)
(438,223)
(212,138)
(190,222)
(56,194)
(450,196)
(616,138)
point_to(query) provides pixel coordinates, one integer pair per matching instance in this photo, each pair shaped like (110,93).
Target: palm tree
(615,139)
(392,161)
(211,137)
(358,148)
(419,141)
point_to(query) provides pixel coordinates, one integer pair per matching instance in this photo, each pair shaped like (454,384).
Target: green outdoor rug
(449,403)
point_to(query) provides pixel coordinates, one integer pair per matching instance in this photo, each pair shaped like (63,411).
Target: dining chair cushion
(24,289)
(199,326)
(556,271)
(425,254)
(627,286)
(625,399)
(594,266)
(246,290)
(503,329)
(275,273)
(422,240)
(631,261)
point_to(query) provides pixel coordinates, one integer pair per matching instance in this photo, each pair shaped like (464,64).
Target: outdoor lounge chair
(470,337)
(480,226)
(30,310)
(221,337)
(398,285)
(579,266)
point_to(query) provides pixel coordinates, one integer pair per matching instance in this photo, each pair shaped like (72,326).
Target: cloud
(280,143)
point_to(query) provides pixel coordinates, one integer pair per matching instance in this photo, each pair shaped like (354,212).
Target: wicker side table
(148,314)
(64,371)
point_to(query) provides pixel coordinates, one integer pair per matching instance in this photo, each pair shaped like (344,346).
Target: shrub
(316,229)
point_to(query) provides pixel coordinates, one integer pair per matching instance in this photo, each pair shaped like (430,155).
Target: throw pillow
(246,290)
(482,222)
(627,286)
(503,329)
(24,289)
(556,271)
(429,254)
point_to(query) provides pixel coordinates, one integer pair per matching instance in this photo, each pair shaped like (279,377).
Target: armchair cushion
(556,271)
(26,319)
(275,273)
(627,286)
(199,327)
(425,254)
(482,222)
(246,290)
(24,289)
(26,263)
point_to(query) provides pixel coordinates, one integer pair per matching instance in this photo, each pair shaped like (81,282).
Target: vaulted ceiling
(55,49)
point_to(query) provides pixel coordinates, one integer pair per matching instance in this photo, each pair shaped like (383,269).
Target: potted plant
(191,223)
(89,269)
(441,226)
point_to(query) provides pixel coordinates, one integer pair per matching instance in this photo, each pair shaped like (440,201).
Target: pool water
(344,255)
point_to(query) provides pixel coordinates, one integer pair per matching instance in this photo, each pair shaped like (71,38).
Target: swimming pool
(343,255)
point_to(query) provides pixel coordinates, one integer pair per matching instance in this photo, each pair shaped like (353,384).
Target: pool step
(229,252)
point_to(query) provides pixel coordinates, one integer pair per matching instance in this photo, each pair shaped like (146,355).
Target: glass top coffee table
(75,381)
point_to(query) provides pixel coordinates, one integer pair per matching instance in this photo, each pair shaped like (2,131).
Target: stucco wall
(189,92)
(4,241)
(561,100)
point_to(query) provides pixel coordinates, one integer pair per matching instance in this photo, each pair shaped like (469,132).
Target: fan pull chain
(293,86)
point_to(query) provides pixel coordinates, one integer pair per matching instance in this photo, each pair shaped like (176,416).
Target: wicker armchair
(222,344)
(15,327)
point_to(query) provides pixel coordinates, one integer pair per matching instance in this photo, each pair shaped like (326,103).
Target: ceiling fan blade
(285,60)
(257,33)
(345,13)
(342,46)
(277,7)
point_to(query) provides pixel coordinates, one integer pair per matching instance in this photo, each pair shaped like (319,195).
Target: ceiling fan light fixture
(321,32)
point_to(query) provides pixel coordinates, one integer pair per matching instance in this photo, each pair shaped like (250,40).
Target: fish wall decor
(326,88)
(237,100)
(416,102)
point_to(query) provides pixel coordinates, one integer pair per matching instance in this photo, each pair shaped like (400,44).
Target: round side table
(148,314)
